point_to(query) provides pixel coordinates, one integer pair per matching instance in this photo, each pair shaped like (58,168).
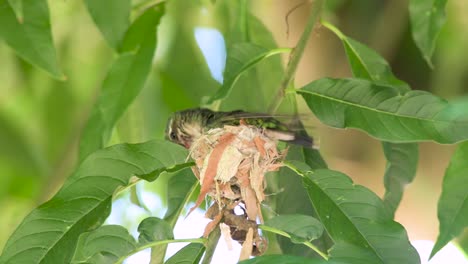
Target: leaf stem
(160,242)
(221,94)
(316,249)
(133,181)
(295,169)
(158,253)
(243,25)
(213,239)
(296,56)
(257,59)
(332,28)
(282,233)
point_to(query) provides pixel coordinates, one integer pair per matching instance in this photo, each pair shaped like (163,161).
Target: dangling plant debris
(231,163)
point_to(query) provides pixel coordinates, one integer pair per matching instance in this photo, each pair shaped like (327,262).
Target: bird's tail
(302,140)
(293,138)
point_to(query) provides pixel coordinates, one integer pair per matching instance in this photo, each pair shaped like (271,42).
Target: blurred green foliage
(41,118)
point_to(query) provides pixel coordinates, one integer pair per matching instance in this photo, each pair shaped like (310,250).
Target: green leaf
(183,82)
(355,215)
(290,194)
(181,186)
(17,6)
(113,243)
(462,241)
(241,57)
(257,86)
(385,113)
(313,159)
(300,228)
(427,19)
(141,28)
(453,203)
(190,254)
(366,63)
(402,163)
(122,84)
(107,244)
(283,259)
(135,198)
(345,253)
(49,233)
(17,151)
(402,158)
(154,229)
(111,17)
(31,39)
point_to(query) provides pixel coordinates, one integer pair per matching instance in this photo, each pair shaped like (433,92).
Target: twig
(159,242)
(296,56)
(306,243)
(213,239)
(286,18)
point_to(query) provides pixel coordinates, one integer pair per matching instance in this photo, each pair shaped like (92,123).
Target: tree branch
(296,56)
(213,239)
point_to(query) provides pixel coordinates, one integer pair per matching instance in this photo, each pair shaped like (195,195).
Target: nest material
(237,227)
(231,163)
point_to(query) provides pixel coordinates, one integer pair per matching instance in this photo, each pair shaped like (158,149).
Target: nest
(231,163)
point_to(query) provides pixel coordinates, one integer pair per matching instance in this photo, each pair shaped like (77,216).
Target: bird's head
(183,128)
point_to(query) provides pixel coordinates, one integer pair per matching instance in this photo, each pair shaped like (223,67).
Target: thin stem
(282,233)
(296,56)
(122,189)
(316,249)
(160,242)
(158,253)
(297,170)
(244,29)
(213,239)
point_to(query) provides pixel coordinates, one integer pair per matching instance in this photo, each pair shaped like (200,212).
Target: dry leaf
(226,232)
(212,167)
(250,200)
(229,164)
(260,143)
(247,247)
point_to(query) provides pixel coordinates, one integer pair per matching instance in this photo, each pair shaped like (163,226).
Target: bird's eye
(173,136)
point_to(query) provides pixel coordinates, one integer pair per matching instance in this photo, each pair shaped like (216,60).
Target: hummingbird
(184,127)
